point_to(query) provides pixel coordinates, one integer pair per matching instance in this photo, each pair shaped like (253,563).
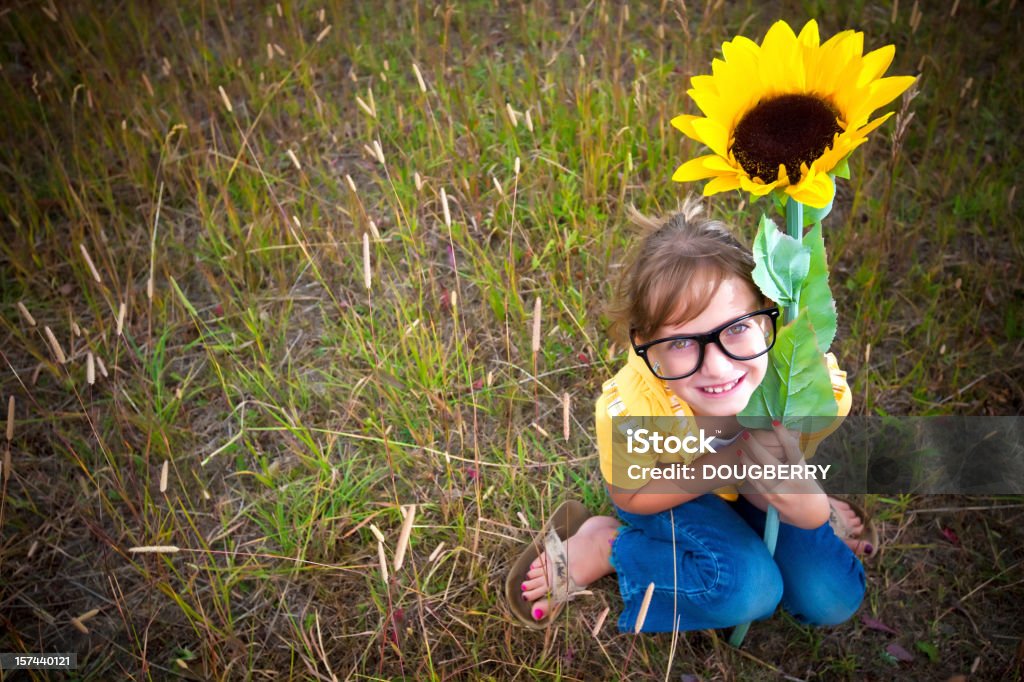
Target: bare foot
(588,553)
(846,516)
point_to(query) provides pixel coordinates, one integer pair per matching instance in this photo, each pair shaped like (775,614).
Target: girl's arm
(659,495)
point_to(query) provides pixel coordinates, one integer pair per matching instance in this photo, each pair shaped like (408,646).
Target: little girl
(700,330)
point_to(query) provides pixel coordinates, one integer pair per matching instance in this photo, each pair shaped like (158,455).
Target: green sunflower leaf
(814,216)
(781,263)
(797,388)
(842,169)
(815,296)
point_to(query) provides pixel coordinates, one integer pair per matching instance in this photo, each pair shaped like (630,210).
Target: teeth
(721,389)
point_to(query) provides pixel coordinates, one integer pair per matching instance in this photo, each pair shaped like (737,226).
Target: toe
(539,609)
(860,547)
(535,572)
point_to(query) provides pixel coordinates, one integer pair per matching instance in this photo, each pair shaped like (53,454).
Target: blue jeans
(710,569)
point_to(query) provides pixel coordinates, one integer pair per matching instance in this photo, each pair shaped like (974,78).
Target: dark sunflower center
(787,130)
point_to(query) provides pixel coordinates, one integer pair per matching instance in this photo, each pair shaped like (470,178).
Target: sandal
(869,536)
(561,525)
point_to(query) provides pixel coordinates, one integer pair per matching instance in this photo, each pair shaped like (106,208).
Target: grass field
(285,270)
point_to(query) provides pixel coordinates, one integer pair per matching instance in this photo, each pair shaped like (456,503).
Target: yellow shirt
(635,391)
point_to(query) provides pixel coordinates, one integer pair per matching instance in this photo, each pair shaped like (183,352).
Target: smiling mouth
(719,389)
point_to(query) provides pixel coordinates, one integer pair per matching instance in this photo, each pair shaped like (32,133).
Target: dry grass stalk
(535,345)
(523,520)
(155,549)
(403,537)
(419,78)
(122,309)
(497,186)
(444,207)
(540,429)
(75,329)
(436,553)
(323,34)
(642,616)
(383,562)
(270,51)
(367,274)
(374,230)
(365,107)
(10,419)
(376,533)
(566,410)
(26,314)
(529,121)
(915,17)
(295,160)
(224,97)
(418,180)
(79,621)
(867,354)
(163,477)
(92,266)
(90,368)
(102,367)
(379,152)
(600,621)
(55,346)
(511,115)
(351,183)
(517,165)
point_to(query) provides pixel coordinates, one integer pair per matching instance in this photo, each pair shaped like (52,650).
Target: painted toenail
(746,436)
(869,548)
(537,614)
(524,598)
(522,587)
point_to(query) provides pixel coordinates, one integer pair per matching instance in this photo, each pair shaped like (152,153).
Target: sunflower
(782,115)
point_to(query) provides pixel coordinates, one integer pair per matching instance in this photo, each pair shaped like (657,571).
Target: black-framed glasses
(677,357)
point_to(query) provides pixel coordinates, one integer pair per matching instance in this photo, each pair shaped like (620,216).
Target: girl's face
(722,386)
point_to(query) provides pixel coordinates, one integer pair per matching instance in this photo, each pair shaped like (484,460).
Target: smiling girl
(699,332)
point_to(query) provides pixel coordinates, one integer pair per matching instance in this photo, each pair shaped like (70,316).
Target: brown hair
(677,267)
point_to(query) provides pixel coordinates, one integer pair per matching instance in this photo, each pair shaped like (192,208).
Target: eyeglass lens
(744,340)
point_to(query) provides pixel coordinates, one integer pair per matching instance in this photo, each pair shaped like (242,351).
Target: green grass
(295,408)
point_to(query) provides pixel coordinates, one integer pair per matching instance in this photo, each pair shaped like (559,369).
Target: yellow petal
(780,64)
(722,183)
(716,164)
(886,90)
(875,63)
(693,169)
(758,189)
(684,123)
(814,189)
(809,34)
(863,131)
(713,134)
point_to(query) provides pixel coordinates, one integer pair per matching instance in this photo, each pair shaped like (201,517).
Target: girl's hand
(769,449)
(780,443)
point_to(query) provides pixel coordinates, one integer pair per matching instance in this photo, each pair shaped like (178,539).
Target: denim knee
(826,602)
(757,587)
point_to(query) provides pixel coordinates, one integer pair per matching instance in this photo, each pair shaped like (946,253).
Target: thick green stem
(795,229)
